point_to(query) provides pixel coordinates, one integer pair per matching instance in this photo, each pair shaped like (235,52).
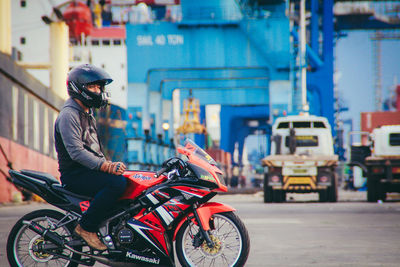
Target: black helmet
(80,76)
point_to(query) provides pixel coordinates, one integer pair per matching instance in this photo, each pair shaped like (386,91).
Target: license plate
(299,171)
(290,171)
(299,180)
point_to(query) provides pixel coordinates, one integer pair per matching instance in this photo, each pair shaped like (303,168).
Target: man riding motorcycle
(83,167)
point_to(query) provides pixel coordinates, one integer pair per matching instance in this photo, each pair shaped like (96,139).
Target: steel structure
(240,54)
(219,53)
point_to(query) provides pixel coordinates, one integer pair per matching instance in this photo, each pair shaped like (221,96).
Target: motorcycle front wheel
(23,244)
(230,237)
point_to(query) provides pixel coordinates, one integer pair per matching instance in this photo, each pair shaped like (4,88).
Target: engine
(125,236)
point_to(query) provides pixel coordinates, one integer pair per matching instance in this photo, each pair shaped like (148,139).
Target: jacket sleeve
(70,130)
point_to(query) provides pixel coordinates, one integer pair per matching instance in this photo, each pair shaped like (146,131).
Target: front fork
(204,234)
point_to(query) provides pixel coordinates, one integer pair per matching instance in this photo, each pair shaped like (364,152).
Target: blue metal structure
(322,77)
(320,61)
(237,120)
(234,53)
(215,51)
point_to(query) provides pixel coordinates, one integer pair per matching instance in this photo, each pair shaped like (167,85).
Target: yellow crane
(191,113)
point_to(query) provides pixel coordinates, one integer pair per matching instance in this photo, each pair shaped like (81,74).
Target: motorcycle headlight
(221,178)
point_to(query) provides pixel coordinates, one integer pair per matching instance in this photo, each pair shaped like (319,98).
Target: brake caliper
(212,250)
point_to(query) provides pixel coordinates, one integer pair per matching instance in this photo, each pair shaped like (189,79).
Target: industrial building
(217,71)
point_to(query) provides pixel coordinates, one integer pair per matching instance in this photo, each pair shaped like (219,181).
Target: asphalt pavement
(300,232)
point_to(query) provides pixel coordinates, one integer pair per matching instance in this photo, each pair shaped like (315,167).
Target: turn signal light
(275,179)
(377,170)
(323,179)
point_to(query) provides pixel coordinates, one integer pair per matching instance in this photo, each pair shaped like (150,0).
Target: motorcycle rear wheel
(232,243)
(22,241)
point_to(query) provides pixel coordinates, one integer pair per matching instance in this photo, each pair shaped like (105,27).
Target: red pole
(398,98)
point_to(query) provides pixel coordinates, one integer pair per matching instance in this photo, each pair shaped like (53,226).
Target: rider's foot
(91,238)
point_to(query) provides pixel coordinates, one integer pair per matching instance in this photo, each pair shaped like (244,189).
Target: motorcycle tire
(22,240)
(231,239)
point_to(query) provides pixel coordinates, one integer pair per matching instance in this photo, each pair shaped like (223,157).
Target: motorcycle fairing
(154,237)
(196,192)
(51,191)
(200,158)
(140,257)
(155,197)
(206,210)
(76,203)
(138,182)
(159,195)
(154,224)
(171,206)
(84,205)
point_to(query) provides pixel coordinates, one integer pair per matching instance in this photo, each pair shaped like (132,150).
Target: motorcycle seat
(60,189)
(48,178)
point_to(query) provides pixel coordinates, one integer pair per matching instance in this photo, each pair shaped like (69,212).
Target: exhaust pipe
(59,241)
(48,235)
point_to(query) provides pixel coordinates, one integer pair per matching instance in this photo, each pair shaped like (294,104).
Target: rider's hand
(116,168)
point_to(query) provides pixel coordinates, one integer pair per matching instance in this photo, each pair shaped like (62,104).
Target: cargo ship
(28,111)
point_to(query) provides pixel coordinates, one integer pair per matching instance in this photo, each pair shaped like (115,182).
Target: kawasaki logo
(141,177)
(142,258)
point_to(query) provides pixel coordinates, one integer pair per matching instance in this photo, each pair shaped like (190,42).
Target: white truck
(302,159)
(380,161)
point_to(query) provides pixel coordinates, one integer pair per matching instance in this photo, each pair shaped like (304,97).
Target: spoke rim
(226,232)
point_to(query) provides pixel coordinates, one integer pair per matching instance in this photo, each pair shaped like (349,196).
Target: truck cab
(312,136)
(383,165)
(386,141)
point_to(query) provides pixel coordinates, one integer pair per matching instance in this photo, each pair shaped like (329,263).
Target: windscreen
(394,139)
(304,141)
(199,152)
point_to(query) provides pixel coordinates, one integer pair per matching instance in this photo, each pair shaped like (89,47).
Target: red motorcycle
(155,210)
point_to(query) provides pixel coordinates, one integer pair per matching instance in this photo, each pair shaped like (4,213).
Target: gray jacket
(76,138)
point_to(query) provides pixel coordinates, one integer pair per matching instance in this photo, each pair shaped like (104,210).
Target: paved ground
(301,232)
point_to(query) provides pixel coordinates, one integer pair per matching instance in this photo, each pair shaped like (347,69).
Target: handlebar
(159,172)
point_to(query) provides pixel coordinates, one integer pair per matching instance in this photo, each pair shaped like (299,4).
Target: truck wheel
(267,190)
(372,189)
(381,192)
(268,194)
(382,196)
(332,191)
(277,196)
(323,195)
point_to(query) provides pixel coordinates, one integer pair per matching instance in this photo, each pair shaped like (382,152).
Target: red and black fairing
(166,203)
(164,208)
